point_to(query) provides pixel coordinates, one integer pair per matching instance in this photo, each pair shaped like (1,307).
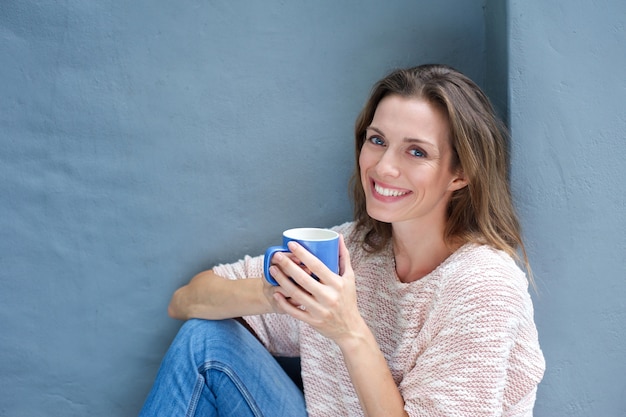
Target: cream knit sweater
(459,342)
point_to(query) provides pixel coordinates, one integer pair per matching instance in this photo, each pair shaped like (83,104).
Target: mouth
(387,191)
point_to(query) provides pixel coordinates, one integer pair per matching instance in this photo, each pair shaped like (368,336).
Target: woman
(429,314)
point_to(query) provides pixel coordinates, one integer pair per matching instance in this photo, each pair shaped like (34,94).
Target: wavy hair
(482,212)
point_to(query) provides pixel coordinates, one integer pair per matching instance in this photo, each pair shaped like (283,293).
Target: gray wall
(144,141)
(567,98)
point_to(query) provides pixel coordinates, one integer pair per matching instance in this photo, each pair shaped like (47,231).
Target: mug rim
(295,234)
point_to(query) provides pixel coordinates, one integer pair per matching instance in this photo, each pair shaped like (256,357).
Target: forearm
(209,296)
(371,377)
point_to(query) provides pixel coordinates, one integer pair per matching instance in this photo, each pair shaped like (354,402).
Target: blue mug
(322,243)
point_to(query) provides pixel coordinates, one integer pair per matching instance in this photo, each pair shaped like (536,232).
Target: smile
(389,192)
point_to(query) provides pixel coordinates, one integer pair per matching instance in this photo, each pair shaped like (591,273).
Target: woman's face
(405,162)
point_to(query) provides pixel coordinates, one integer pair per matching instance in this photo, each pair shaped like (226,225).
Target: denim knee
(200,334)
(202,326)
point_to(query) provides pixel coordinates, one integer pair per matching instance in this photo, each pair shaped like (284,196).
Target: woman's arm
(329,306)
(370,375)
(209,296)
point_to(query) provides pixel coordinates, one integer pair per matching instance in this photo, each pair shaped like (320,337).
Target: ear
(458,181)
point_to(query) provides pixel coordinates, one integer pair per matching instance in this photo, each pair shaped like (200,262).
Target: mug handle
(267,262)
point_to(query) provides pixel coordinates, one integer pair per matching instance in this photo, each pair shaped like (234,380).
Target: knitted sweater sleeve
(482,357)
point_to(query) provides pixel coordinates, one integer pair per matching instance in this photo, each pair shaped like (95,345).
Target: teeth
(388,192)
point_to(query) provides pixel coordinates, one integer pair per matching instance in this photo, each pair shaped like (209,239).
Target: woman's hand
(328,305)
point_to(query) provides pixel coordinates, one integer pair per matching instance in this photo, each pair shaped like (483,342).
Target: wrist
(356,339)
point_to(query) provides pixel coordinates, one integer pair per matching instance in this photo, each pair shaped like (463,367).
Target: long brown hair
(481,212)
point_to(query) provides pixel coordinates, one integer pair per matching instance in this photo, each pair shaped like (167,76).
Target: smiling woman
(406,163)
(456,121)
(426,276)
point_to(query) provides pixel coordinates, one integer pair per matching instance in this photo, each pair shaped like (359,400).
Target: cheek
(365,160)
(362,163)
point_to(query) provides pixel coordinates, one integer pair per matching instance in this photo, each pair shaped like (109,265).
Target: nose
(387,165)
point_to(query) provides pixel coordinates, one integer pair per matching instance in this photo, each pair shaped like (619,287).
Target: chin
(381,217)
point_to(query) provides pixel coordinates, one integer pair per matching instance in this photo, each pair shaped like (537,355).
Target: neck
(418,250)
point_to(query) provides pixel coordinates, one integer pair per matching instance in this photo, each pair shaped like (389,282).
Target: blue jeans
(218,368)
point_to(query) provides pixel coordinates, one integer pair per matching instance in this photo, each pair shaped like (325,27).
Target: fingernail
(293,245)
(279,256)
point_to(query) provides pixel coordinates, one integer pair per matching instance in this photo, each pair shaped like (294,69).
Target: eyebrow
(408,140)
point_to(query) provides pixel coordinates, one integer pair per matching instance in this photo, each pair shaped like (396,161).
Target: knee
(195,327)
(201,340)
(199,331)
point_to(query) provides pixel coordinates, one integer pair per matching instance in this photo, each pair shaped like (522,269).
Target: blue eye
(376,140)
(417,153)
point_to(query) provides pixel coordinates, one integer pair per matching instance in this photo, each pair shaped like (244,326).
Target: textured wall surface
(567,99)
(143,141)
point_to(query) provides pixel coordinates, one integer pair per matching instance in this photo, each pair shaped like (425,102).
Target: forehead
(411,118)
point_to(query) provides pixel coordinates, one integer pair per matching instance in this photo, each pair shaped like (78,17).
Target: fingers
(295,282)
(297,261)
(288,306)
(299,264)
(313,265)
(289,277)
